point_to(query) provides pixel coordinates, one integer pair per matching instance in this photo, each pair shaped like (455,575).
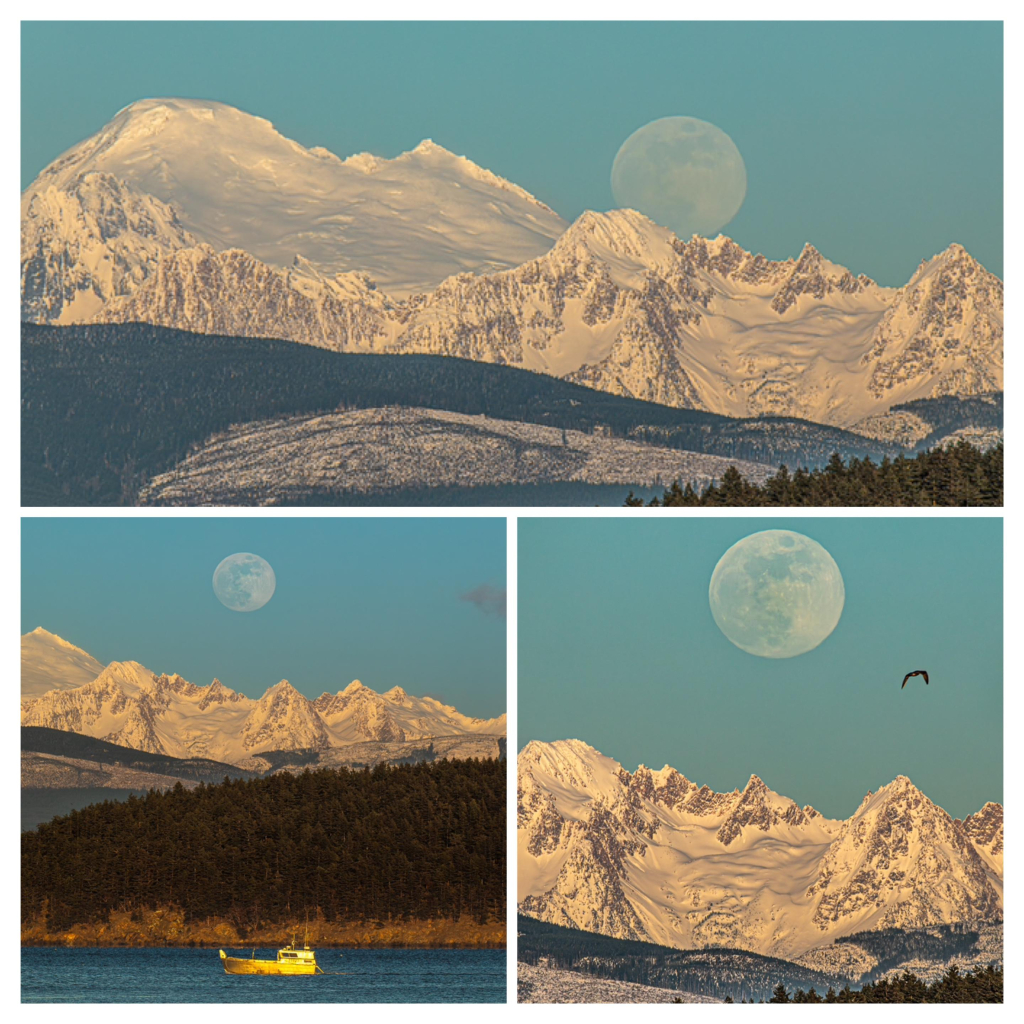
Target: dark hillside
(39,740)
(709,972)
(105,407)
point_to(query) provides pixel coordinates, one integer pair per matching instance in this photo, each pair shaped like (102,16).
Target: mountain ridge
(652,856)
(446,258)
(128,705)
(216,165)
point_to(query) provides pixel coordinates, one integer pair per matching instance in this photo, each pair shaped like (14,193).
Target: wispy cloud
(490,600)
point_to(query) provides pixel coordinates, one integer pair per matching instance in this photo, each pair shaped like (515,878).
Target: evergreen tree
(959,475)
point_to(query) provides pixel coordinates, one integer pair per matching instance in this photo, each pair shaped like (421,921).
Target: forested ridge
(958,474)
(982,986)
(737,975)
(411,842)
(716,972)
(105,407)
(894,946)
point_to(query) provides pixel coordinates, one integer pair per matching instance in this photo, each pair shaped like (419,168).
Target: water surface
(51,975)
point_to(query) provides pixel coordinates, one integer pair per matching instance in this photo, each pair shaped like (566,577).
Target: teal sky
(617,647)
(880,143)
(379,600)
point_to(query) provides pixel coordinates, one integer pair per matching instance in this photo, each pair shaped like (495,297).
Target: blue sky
(617,647)
(881,143)
(378,600)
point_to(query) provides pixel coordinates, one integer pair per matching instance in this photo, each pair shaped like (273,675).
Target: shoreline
(166,927)
(28,944)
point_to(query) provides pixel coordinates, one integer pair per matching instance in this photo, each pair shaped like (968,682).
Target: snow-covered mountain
(195,215)
(129,705)
(237,183)
(50,663)
(653,856)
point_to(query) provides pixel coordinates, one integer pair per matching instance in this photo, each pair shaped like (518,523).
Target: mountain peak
(900,784)
(59,641)
(428,147)
(616,237)
(755,785)
(286,688)
(409,223)
(354,687)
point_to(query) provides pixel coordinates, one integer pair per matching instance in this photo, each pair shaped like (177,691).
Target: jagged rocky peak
(218,693)
(397,695)
(85,245)
(283,719)
(724,257)
(760,808)
(705,802)
(174,683)
(985,828)
(956,276)
(813,275)
(771,877)
(902,788)
(330,704)
(286,690)
(641,783)
(901,861)
(672,788)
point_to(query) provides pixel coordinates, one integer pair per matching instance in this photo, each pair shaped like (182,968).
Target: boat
(290,960)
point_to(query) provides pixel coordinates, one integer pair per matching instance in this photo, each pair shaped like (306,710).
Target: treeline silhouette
(982,986)
(958,474)
(409,842)
(105,407)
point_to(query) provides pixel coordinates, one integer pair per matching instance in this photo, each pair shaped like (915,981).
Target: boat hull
(236,965)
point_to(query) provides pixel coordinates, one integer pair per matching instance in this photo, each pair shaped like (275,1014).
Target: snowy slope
(132,706)
(377,450)
(87,243)
(653,856)
(51,663)
(621,305)
(192,214)
(237,183)
(551,985)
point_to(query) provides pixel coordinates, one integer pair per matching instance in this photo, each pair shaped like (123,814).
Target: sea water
(50,975)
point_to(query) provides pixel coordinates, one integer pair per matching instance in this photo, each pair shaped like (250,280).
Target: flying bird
(919,672)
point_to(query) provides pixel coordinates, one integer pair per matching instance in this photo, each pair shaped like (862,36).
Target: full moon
(777,594)
(244,582)
(683,173)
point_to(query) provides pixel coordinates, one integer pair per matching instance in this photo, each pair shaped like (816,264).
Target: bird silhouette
(919,672)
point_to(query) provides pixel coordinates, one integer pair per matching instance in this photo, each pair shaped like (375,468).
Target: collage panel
(760,760)
(270,748)
(448,296)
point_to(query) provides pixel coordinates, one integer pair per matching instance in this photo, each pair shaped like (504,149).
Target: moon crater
(683,173)
(777,594)
(244,582)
